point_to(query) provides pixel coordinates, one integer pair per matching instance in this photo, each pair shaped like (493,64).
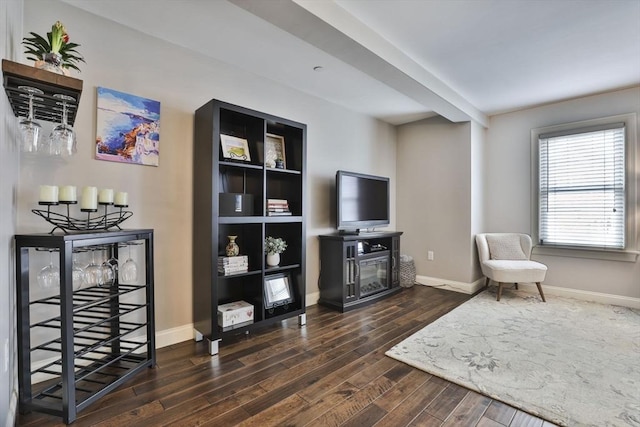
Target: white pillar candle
(105,195)
(49,193)
(68,193)
(121,199)
(89,198)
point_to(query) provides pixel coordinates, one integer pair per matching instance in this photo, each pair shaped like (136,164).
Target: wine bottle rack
(88,341)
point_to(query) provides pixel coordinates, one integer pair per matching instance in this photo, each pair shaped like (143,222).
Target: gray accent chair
(505,258)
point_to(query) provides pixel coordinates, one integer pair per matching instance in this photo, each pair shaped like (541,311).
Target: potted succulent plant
(54,53)
(273,247)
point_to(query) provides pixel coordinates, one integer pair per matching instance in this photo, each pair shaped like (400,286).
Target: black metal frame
(96,352)
(268,303)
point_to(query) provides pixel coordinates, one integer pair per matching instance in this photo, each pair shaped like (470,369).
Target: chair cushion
(508,271)
(505,246)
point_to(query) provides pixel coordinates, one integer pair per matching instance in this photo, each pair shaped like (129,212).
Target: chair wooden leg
(540,290)
(500,284)
(486,282)
(516,286)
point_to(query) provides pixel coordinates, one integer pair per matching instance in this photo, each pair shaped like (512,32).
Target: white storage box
(235,315)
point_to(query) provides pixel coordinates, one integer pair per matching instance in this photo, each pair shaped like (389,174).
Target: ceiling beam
(327,26)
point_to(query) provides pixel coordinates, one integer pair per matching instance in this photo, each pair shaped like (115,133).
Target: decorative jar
(232,248)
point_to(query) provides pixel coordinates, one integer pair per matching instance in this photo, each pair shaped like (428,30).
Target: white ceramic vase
(273,260)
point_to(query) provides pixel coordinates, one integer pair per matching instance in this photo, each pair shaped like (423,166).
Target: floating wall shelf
(46,107)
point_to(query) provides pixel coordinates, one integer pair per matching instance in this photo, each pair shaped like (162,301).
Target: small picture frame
(273,151)
(235,148)
(277,290)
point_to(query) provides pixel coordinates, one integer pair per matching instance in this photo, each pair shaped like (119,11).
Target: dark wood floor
(331,372)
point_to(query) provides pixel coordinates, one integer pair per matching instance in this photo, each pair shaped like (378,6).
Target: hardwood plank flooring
(331,372)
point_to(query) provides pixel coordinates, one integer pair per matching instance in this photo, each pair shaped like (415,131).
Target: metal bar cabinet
(75,346)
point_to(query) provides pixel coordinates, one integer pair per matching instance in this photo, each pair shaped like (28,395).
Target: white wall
(507,184)
(456,180)
(11,21)
(478,173)
(123,59)
(434,197)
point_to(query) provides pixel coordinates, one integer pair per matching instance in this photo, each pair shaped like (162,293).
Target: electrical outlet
(430,255)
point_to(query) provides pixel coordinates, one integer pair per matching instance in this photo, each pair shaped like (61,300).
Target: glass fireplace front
(374,274)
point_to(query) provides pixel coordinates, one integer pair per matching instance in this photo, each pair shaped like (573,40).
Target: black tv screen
(362,201)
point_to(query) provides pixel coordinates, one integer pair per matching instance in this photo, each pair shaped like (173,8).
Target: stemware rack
(47,108)
(88,341)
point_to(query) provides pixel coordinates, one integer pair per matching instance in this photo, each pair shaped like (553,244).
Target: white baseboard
(598,297)
(175,335)
(470,288)
(312,298)
(451,285)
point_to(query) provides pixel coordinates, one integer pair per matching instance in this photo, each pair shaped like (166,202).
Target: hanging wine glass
(109,270)
(93,271)
(78,274)
(62,140)
(49,276)
(129,270)
(30,130)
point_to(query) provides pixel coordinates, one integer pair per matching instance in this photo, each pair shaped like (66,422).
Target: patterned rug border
(629,417)
(470,386)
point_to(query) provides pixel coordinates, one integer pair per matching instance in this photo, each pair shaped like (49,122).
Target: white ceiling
(400,60)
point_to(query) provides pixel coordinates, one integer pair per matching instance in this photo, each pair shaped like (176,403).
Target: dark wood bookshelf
(213,174)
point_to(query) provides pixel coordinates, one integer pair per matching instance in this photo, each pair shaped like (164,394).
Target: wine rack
(75,346)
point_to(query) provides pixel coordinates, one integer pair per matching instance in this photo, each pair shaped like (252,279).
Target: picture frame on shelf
(274,151)
(235,148)
(277,290)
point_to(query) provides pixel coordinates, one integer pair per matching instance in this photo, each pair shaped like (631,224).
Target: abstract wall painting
(128,128)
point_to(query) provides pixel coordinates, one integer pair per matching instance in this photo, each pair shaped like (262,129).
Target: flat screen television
(362,201)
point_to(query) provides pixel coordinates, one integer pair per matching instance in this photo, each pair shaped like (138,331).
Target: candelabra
(96,221)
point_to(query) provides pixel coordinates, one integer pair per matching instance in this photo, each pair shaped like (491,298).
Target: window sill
(574,252)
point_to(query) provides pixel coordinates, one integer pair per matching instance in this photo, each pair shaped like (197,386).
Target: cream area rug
(571,362)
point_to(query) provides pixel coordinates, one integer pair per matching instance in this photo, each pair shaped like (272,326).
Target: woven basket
(407,271)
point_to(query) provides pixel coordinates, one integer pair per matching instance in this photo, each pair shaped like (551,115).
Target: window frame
(632,215)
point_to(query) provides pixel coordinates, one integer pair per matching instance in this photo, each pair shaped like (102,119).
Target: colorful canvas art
(128,128)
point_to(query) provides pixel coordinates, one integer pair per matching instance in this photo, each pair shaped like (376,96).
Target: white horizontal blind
(582,188)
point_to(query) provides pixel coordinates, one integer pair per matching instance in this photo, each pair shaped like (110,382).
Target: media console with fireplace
(358,269)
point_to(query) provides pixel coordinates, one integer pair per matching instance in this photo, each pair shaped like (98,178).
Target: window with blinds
(582,187)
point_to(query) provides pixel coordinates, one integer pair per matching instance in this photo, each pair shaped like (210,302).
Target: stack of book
(233,264)
(278,207)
